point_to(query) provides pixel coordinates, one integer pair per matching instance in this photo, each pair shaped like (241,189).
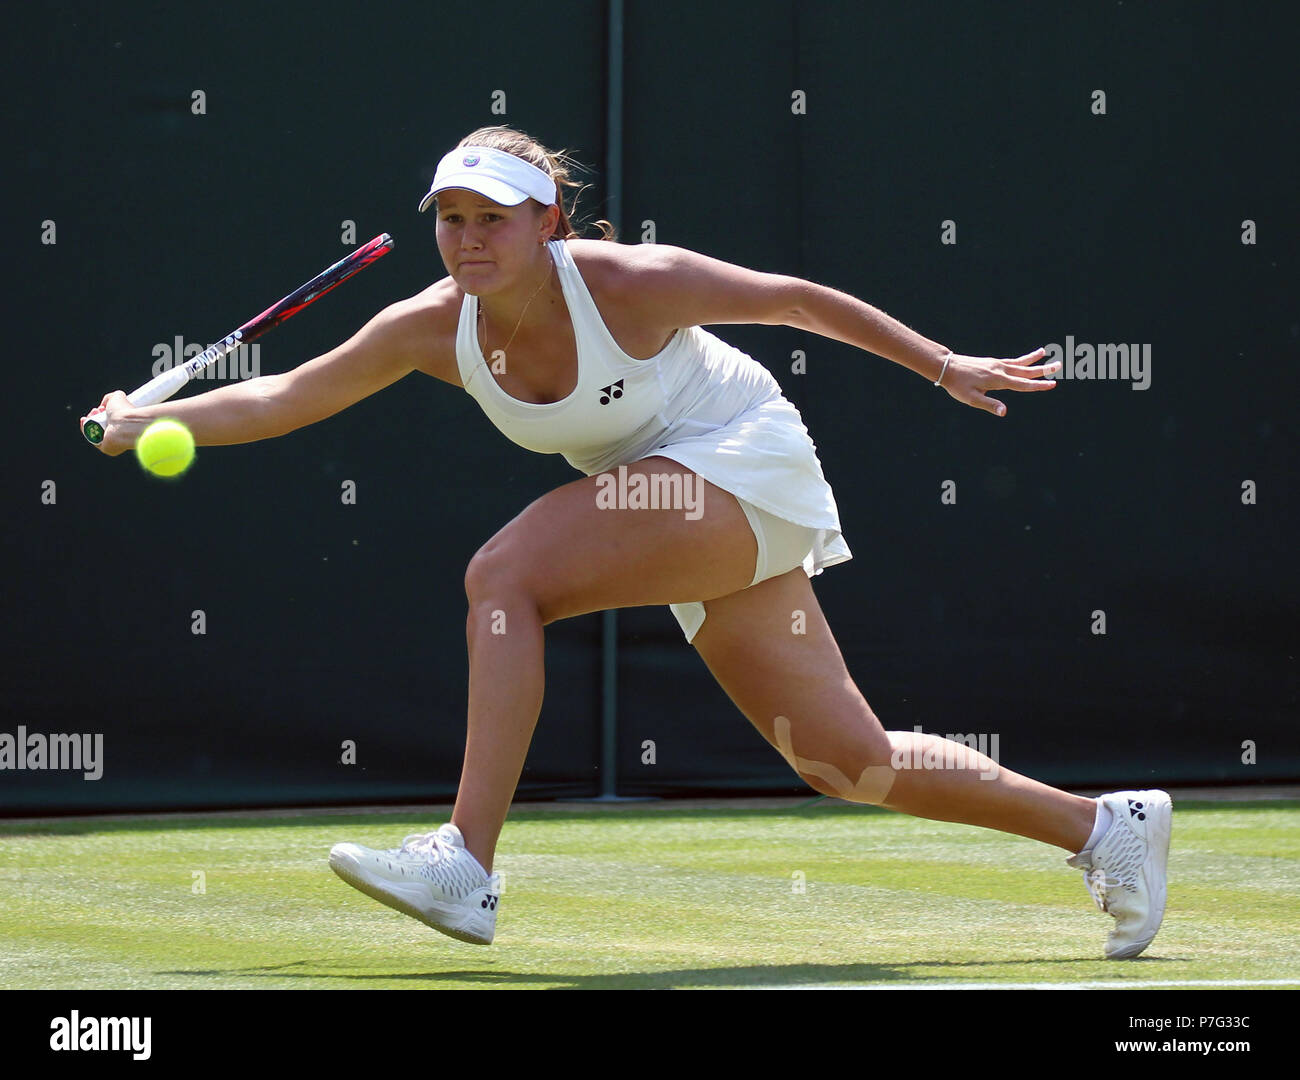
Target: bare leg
(505,698)
(1005,800)
(795,689)
(564,556)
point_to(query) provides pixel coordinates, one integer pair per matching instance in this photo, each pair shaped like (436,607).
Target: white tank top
(621,408)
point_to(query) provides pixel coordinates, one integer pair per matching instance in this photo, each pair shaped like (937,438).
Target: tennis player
(595,350)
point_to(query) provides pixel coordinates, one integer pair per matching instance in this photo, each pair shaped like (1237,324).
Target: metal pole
(609,705)
(613,211)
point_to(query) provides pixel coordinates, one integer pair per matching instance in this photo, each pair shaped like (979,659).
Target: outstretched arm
(701,291)
(845,318)
(388,347)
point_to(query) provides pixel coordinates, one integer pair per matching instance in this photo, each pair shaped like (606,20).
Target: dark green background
(329,622)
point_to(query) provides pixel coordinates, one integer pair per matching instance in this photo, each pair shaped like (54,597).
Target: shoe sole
(354,874)
(1160,808)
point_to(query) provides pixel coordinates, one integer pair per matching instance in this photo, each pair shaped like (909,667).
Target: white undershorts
(782,545)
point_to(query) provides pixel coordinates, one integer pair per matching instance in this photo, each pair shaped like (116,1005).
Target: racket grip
(157,389)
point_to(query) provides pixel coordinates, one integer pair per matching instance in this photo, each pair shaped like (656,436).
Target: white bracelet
(945,368)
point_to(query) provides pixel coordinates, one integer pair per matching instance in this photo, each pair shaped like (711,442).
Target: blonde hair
(555,163)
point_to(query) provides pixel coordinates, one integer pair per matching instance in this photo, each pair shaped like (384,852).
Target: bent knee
(501,577)
(869,783)
(858,769)
(494,574)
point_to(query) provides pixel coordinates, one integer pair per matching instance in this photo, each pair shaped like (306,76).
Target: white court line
(1111,984)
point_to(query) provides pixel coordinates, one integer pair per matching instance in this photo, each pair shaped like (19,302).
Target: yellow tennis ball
(165,448)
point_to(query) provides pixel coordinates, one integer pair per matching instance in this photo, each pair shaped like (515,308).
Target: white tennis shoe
(431,877)
(1125,871)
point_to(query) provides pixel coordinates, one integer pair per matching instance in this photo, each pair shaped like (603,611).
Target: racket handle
(93,429)
(157,389)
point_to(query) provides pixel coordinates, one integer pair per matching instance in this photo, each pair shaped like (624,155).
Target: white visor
(502,177)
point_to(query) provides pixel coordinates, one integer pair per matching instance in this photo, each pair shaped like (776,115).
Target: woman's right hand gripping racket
(165,385)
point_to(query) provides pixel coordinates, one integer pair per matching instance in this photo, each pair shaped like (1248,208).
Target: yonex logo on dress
(472,159)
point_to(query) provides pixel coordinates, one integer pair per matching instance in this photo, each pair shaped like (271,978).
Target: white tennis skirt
(765,458)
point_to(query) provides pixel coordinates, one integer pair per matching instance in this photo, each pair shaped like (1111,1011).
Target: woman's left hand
(969,378)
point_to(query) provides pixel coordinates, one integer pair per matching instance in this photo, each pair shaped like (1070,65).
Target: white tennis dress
(699,401)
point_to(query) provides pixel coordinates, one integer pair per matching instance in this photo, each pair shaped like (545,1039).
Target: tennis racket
(165,385)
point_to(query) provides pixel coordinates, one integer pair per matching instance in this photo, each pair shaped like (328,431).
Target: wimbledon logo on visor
(470,159)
